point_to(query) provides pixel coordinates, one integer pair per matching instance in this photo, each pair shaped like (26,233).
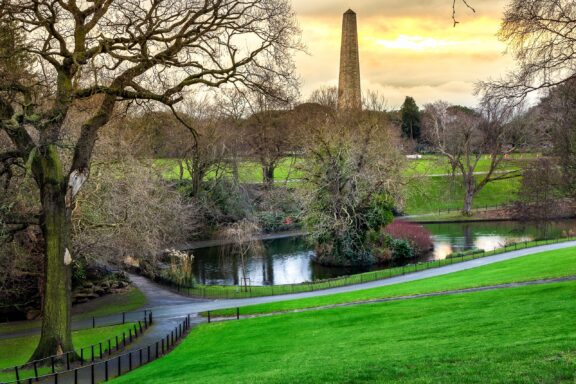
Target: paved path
(196,306)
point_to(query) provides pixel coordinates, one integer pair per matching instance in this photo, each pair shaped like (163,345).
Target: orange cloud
(405,49)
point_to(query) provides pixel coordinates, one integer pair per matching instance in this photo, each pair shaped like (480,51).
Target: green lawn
(17,351)
(543,265)
(520,335)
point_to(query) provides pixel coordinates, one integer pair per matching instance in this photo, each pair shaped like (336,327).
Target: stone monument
(349,93)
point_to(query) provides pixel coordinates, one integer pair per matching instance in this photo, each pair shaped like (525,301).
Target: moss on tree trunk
(56,336)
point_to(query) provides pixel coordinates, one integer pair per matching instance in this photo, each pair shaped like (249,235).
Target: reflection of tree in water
(244,245)
(469,236)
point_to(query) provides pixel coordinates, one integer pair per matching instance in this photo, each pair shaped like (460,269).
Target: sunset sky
(407,47)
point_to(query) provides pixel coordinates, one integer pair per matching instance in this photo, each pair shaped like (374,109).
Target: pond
(289,260)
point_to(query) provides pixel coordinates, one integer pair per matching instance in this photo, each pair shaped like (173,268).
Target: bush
(401,249)
(386,248)
(419,237)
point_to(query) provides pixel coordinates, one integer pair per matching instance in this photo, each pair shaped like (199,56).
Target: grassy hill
(520,335)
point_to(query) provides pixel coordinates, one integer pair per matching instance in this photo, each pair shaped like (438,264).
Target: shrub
(401,249)
(419,237)
(386,248)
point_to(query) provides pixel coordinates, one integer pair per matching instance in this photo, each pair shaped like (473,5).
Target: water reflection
(289,260)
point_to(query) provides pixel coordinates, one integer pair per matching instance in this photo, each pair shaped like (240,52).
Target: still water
(289,260)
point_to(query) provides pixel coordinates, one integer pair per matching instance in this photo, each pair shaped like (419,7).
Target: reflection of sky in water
(442,250)
(289,261)
(445,245)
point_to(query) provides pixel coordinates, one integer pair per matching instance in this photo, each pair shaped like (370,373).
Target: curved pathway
(162,297)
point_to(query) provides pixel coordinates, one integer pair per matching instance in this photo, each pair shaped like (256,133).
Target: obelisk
(349,93)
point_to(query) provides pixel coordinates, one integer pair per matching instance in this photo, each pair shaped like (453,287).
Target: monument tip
(349,12)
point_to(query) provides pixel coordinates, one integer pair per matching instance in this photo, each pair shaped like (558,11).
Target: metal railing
(88,354)
(118,365)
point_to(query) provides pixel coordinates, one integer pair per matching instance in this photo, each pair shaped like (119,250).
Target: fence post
(35,369)
(208,316)
(109,347)
(67,361)
(76,376)
(92,381)
(93,322)
(17,374)
(52,363)
(123,317)
(106,370)
(129,361)
(116,343)
(237,313)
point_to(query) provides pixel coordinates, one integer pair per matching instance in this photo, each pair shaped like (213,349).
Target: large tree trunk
(56,336)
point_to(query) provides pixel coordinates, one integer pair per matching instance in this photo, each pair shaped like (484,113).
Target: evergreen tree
(411,120)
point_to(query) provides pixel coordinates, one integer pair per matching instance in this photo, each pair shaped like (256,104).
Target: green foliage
(411,119)
(401,249)
(379,214)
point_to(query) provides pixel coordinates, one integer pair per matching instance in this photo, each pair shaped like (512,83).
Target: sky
(407,47)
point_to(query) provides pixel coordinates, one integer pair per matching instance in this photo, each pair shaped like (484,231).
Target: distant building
(349,92)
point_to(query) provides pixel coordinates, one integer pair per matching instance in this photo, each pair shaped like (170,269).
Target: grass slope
(444,193)
(543,265)
(520,335)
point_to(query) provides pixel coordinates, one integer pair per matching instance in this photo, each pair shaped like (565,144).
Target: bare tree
(541,36)
(245,243)
(463,136)
(113,51)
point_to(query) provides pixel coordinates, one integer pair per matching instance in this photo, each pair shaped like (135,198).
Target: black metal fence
(34,370)
(118,365)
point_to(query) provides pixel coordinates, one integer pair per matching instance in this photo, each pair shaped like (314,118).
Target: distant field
(424,195)
(439,165)
(248,171)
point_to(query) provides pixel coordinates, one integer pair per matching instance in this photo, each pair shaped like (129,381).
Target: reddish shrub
(419,237)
